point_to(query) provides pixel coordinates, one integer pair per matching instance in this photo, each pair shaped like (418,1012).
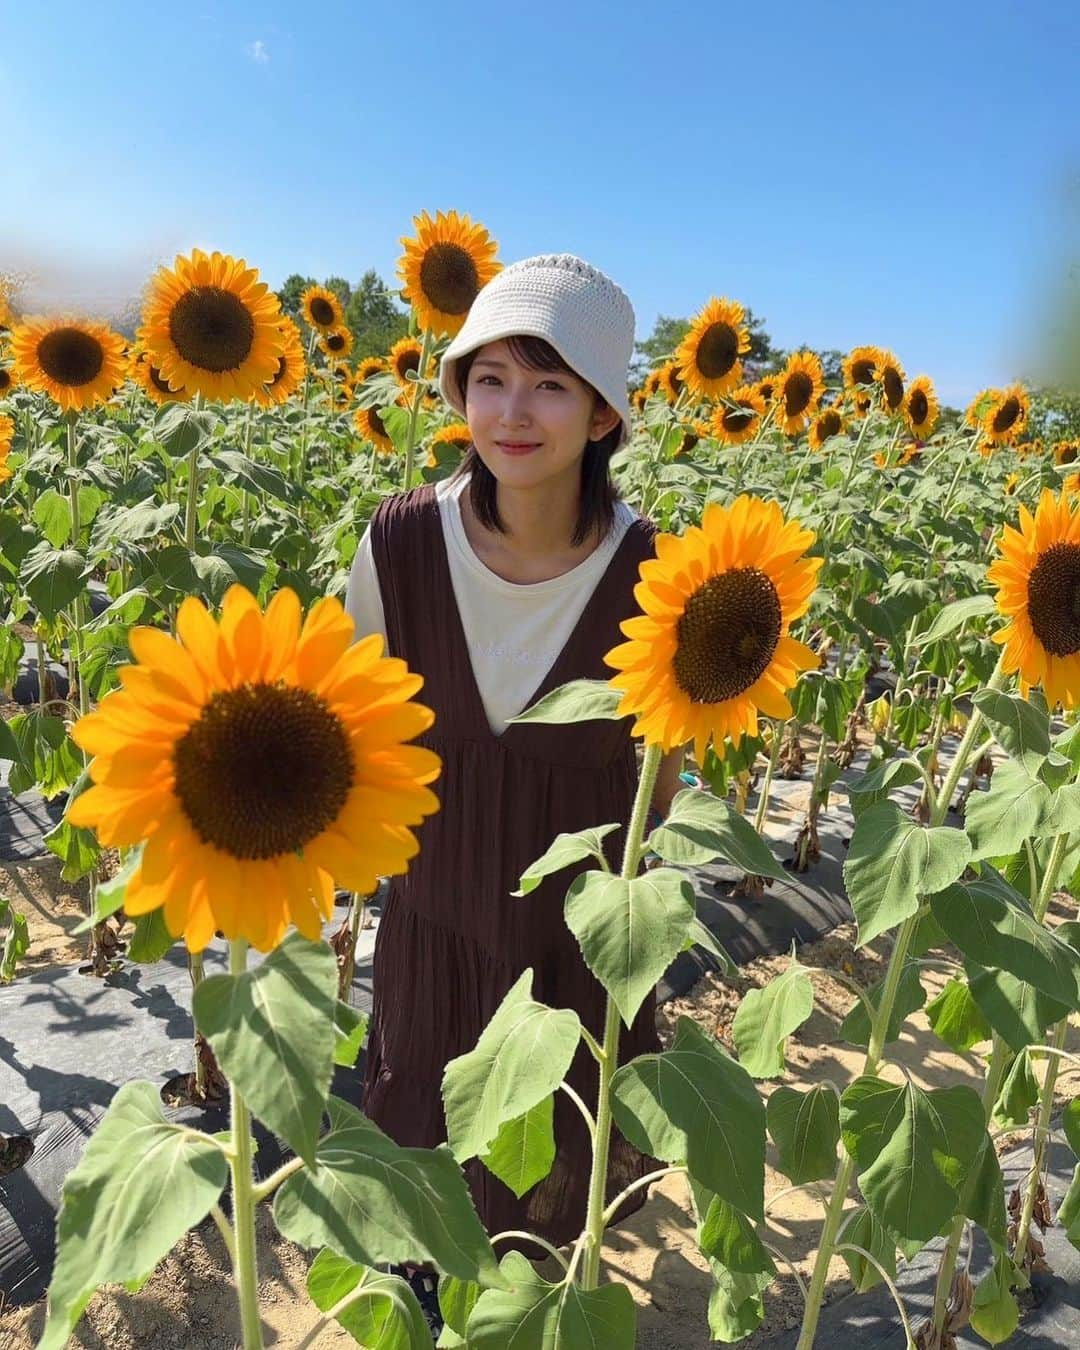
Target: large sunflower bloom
(369,425)
(921,407)
(738,416)
(828,423)
(708,356)
(290,372)
(711,650)
(147,376)
(861,366)
(891,377)
(77,363)
(799,388)
(321,309)
(212,327)
(260,761)
(1007,415)
(1037,575)
(444,267)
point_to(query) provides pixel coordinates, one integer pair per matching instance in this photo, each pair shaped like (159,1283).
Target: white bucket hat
(574,306)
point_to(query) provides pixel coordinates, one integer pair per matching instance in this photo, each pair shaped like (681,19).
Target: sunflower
(1071,483)
(443,269)
(1066,452)
(920,407)
(260,761)
(337,342)
(455,434)
(826,424)
(766,387)
(1011,481)
(290,372)
(7,433)
(321,309)
(1037,575)
(799,388)
(341,396)
(147,376)
(369,425)
(404,360)
(891,377)
(910,453)
(860,367)
(711,650)
(979,406)
(370,365)
(652,383)
(1007,415)
(1025,449)
(212,327)
(671,382)
(79,364)
(707,359)
(7,381)
(738,417)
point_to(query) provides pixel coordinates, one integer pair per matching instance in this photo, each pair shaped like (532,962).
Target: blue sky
(856,172)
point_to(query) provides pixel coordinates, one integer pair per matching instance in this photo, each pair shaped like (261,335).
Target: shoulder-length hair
(598,492)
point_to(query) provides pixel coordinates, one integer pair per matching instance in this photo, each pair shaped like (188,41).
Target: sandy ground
(189,1303)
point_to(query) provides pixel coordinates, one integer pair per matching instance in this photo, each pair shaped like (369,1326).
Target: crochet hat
(580,311)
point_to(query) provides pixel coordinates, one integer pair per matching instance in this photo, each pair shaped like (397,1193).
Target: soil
(189,1303)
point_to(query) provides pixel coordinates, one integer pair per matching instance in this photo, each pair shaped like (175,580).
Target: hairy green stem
(774,758)
(244,1265)
(414,411)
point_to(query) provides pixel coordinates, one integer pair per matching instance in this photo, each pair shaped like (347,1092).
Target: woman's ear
(603,420)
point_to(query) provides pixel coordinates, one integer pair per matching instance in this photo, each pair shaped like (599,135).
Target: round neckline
(450,511)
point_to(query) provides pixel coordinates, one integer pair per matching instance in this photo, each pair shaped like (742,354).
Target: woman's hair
(598,492)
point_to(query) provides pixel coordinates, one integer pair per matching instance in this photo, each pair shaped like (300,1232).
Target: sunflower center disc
(1006,415)
(738,419)
(282,367)
(1068,455)
(918,407)
(1054,599)
(727,635)
(5,379)
(161,385)
(717,351)
(448,278)
(830,424)
(335,342)
(862,372)
(798,389)
(321,310)
(406,363)
(264,770)
(894,387)
(70,356)
(211,329)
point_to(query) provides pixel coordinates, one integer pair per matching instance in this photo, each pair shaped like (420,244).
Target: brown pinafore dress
(452,939)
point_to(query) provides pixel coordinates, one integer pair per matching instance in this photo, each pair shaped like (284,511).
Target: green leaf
(913,1150)
(262,479)
(630,931)
(1070,1123)
(730,1238)
(138,1187)
(272,1030)
(566,850)
(994,1314)
(522,1056)
(876,785)
(766,1017)
(542,1316)
(1018,1096)
(151,939)
(956,1018)
(1021,729)
(457,1299)
(578,701)
(52,511)
(993,925)
(109,896)
(1068,1215)
(351,1026)
(701,827)
(736,1307)
(694,1104)
(16,943)
(892,861)
(954,616)
(985,1196)
(181,428)
(132,524)
(697,935)
(863,1230)
(1016,1010)
(524,1149)
(77,849)
(910,996)
(374,1202)
(9,749)
(805,1127)
(53,577)
(388,1318)
(1062,816)
(999,820)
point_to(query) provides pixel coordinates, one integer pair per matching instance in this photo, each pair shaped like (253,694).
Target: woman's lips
(517,448)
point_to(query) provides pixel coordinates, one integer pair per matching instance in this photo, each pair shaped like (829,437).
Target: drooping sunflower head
(290,368)
(404,360)
(1037,576)
(455,434)
(336,343)
(921,407)
(861,366)
(147,376)
(369,426)
(767,387)
(828,423)
(321,309)
(711,651)
(671,382)
(652,383)
(259,760)
(79,364)
(738,416)
(799,388)
(708,358)
(1006,418)
(212,327)
(979,406)
(370,365)
(443,269)
(1066,452)
(891,378)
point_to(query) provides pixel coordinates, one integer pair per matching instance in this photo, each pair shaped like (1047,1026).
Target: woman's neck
(539,524)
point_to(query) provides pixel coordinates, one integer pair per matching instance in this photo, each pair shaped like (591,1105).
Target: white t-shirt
(514,632)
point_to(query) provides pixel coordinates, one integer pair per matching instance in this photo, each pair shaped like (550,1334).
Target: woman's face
(530,426)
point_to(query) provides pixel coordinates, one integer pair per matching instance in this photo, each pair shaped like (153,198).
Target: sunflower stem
(414,411)
(244,1266)
(594,1222)
(778,729)
(248,429)
(301,459)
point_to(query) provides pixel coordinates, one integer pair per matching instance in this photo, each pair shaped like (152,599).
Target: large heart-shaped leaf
(542,1316)
(766,1017)
(700,827)
(805,1126)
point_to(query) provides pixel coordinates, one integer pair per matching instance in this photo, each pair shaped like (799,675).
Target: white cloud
(258,53)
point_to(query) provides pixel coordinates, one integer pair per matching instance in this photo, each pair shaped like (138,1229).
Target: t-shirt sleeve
(363,599)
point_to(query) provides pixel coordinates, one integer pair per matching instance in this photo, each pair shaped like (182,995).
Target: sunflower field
(178,517)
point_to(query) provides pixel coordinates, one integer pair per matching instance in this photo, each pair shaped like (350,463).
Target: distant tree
(341,289)
(292,289)
(1054,416)
(375,317)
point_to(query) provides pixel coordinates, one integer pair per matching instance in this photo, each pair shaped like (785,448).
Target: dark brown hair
(598,492)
